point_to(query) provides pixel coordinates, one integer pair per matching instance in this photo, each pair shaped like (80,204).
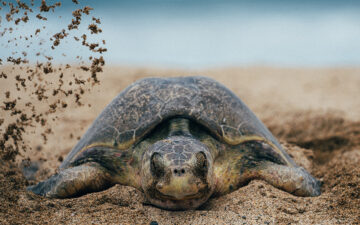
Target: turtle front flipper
(74,181)
(266,163)
(295,180)
(259,160)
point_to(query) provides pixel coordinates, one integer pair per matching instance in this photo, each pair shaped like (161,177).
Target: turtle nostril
(179,172)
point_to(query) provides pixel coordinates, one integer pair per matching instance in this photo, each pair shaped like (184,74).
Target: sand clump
(38,79)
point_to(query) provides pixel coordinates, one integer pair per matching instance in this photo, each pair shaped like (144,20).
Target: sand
(313,112)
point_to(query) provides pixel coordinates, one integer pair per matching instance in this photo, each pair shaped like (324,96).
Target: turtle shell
(148,102)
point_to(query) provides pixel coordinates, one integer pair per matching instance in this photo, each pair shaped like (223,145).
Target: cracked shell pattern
(148,102)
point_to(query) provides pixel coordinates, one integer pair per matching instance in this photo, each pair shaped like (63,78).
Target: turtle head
(177,173)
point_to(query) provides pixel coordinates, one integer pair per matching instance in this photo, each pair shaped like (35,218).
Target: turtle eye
(157,165)
(201,164)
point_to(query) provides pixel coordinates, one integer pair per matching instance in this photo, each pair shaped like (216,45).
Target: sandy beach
(313,112)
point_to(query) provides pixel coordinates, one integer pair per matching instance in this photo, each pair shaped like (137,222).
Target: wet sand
(313,112)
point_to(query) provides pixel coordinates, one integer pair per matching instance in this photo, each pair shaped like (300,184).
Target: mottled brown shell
(148,102)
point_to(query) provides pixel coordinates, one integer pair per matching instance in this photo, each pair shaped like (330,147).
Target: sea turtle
(179,141)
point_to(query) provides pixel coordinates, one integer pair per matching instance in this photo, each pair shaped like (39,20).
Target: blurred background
(216,33)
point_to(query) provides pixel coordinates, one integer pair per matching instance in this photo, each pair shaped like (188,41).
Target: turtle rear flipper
(75,181)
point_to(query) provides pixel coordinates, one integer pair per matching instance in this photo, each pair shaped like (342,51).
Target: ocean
(215,33)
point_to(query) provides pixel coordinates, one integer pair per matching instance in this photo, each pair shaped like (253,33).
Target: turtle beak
(182,185)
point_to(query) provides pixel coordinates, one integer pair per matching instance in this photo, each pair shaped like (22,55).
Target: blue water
(197,34)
